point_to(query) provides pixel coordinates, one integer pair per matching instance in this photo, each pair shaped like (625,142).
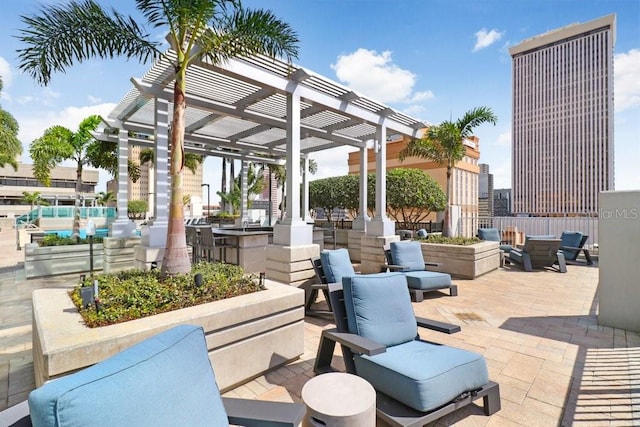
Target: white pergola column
(123,226)
(244,194)
(360,223)
(293,231)
(305,191)
(381,225)
(154,235)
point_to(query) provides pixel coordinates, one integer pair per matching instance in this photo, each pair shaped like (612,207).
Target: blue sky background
(432,59)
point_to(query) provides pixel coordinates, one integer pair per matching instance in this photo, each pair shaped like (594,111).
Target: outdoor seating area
(546,358)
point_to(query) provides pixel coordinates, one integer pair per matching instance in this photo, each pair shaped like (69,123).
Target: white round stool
(339,400)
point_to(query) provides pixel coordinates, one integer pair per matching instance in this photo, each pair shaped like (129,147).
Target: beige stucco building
(562,124)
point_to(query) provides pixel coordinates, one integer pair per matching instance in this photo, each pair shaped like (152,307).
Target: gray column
(380,224)
(123,175)
(360,223)
(244,193)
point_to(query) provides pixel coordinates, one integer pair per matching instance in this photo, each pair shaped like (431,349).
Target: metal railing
(468,226)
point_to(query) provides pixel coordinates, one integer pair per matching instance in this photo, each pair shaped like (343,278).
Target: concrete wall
(619,287)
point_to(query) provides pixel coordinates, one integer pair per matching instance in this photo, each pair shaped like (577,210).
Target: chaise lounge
(539,252)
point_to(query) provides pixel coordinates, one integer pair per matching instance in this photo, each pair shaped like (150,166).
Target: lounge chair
(406,257)
(493,235)
(164,380)
(329,267)
(539,252)
(572,242)
(416,381)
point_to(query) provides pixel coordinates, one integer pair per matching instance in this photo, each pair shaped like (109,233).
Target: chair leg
(587,256)
(324,355)
(313,294)
(526,262)
(562,265)
(453,290)
(416,295)
(491,400)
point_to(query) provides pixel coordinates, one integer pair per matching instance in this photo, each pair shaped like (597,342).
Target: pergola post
(305,191)
(243,220)
(123,226)
(360,223)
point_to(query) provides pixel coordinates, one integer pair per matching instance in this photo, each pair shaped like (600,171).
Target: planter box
(467,262)
(246,335)
(55,260)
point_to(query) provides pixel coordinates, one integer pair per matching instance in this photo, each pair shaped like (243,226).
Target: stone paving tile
(538,332)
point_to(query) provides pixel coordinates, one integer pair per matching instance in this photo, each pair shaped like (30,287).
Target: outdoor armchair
(493,235)
(571,243)
(329,267)
(539,252)
(165,380)
(416,381)
(406,258)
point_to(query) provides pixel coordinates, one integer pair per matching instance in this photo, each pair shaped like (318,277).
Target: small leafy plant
(133,294)
(458,240)
(55,240)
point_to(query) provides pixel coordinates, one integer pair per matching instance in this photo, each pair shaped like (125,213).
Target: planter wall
(119,253)
(246,335)
(54,260)
(467,262)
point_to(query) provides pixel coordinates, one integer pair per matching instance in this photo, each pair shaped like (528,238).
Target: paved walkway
(538,332)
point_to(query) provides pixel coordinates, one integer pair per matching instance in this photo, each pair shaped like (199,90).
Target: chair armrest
(16,416)
(447,328)
(570,248)
(257,413)
(355,342)
(432,264)
(393,267)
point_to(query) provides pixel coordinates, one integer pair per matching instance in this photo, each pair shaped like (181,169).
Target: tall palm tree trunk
(176,256)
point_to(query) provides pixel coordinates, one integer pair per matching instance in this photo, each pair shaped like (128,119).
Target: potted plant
(463,257)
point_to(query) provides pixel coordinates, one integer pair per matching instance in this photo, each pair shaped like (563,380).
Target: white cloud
(504,139)
(34,124)
(94,99)
(332,162)
(25,99)
(5,73)
(501,175)
(376,76)
(486,38)
(627,80)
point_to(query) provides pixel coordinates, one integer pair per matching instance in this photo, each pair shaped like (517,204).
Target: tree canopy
(10,146)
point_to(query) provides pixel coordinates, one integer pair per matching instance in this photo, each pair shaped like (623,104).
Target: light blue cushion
(407,254)
(540,237)
(491,234)
(426,280)
(422,375)
(164,380)
(336,264)
(379,308)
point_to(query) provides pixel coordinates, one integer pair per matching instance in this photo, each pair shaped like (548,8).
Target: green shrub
(133,294)
(225,215)
(55,240)
(463,241)
(136,209)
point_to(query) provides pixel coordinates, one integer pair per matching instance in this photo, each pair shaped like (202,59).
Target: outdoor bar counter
(245,247)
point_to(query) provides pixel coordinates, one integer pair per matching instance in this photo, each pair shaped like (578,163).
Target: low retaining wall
(56,260)
(246,335)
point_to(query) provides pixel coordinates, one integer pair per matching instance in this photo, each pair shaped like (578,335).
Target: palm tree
(59,144)
(104,198)
(34,198)
(255,185)
(280,172)
(216,30)
(10,146)
(444,144)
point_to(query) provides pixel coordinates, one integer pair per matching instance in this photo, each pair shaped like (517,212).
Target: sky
(431,59)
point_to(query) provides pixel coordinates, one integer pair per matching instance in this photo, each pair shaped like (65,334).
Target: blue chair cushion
(164,380)
(336,264)
(426,280)
(491,234)
(379,308)
(541,237)
(407,254)
(506,248)
(423,375)
(571,239)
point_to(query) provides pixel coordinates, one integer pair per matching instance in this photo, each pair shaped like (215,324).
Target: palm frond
(60,35)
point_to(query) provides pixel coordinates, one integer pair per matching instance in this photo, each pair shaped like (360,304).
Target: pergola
(256,109)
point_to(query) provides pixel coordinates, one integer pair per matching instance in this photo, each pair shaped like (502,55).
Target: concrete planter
(246,335)
(55,260)
(467,262)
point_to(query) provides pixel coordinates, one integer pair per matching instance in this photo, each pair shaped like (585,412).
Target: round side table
(339,400)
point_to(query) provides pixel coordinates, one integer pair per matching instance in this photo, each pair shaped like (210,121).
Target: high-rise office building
(562,124)
(485,192)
